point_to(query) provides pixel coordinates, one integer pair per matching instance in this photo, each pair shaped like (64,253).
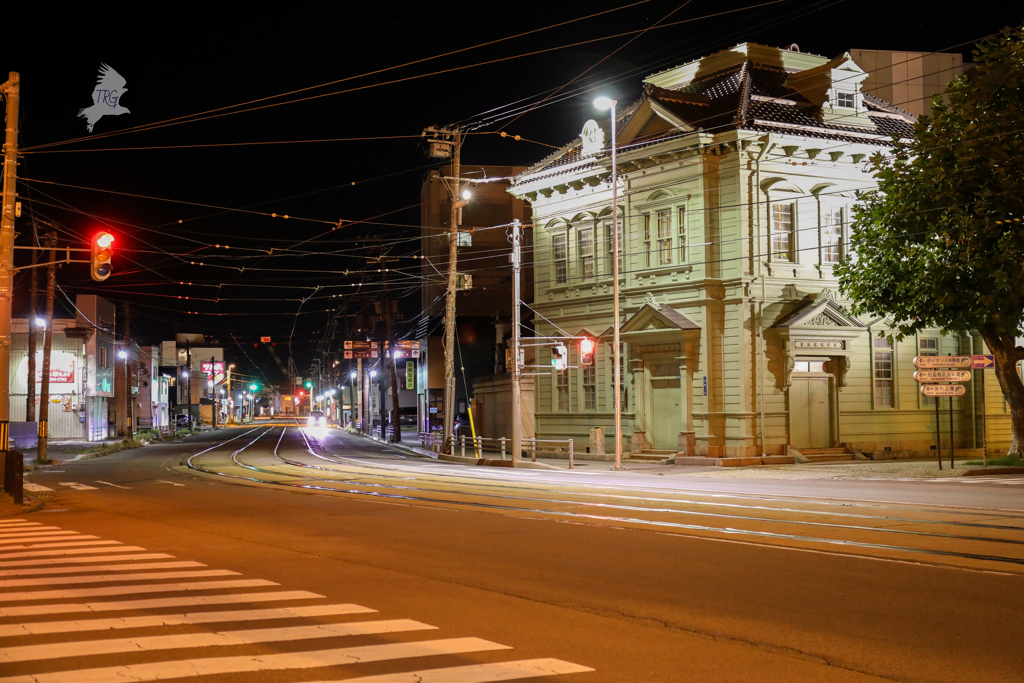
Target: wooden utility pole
(449,309)
(12,90)
(30,400)
(395,417)
(215,390)
(44,395)
(129,402)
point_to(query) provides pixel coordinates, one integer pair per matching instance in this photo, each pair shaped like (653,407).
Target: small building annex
(736,178)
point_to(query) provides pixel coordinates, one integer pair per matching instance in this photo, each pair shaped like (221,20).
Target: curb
(993,470)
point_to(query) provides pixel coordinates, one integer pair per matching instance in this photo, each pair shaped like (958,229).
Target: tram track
(534,506)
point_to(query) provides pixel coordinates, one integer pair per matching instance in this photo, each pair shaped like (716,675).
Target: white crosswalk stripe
(85,625)
(43,556)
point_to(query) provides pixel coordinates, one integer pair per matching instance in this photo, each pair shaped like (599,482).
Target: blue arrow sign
(984,362)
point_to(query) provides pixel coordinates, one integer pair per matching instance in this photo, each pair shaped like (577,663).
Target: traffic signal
(586,351)
(300,392)
(254,387)
(559,357)
(309,385)
(101,253)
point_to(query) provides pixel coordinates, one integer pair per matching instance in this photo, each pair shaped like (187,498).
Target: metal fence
(480,444)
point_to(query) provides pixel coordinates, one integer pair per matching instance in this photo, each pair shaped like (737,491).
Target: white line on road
(6,552)
(112,578)
(72,551)
(13,521)
(478,673)
(85,560)
(91,648)
(44,536)
(155,603)
(117,486)
(187,668)
(164,481)
(84,625)
(8,532)
(76,486)
(64,594)
(35,488)
(180,564)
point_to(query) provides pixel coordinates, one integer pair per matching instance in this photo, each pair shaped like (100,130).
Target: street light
(122,355)
(604,103)
(40,322)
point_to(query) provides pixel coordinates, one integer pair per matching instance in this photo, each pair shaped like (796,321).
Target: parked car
(407,416)
(316,419)
(181,421)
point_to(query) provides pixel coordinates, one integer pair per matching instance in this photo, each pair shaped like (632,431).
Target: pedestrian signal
(101,255)
(587,352)
(559,357)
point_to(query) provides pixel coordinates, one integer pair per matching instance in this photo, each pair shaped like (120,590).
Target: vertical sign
(410,374)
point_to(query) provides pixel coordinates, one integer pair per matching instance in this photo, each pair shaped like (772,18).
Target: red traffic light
(101,255)
(587,351)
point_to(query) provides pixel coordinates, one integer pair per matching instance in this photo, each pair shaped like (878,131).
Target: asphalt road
(269,554)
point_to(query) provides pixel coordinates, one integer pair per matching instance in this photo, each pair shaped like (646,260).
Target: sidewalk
(864,470)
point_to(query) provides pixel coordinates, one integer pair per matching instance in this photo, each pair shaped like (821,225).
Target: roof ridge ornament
(649,300)
(825,295)
(593,138)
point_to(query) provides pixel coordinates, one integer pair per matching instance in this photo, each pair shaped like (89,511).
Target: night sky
(208,82)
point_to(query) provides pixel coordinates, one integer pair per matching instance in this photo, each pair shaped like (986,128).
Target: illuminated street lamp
(603,103)
(40,322)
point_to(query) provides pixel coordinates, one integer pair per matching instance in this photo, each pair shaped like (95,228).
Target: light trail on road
(461,489)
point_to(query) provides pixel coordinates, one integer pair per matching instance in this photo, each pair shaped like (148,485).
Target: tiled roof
(750,96)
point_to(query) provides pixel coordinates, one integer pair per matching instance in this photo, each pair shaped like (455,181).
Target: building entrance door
(664,413)
(810,412)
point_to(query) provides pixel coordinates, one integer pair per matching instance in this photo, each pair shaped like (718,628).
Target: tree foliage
(940,242)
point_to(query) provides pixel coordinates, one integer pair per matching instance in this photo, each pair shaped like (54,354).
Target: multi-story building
(908,80)
(736,178)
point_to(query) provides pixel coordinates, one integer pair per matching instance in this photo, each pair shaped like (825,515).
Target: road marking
(63,544)
(40,530)
(84,560)
(83,625)
(76,486)
(164,481)
(111,578)
(73,551)
(44,536)
(155,603)
(187,668)
(114,485)
(180,564)
(34,487)
(88,648)
(131,590)
(478,673)
(15,521)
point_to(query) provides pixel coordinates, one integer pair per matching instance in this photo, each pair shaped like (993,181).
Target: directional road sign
(361,353)
(943,389)
(932,362)
(358,345)
(985,362)
(943,375)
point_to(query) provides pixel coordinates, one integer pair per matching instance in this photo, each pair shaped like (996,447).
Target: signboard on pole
(410,374)
(361,353)
(943,375)
(932,362)
(985,362)
(407,344)
(943,390)
(361,345)
(264,340)
(406,353)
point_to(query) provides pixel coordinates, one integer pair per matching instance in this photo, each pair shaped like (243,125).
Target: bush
(1008,460)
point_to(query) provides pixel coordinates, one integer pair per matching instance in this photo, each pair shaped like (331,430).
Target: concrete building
(908,79)
(737,174)
(197,383)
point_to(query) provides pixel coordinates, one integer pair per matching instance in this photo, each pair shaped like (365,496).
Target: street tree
(940,242)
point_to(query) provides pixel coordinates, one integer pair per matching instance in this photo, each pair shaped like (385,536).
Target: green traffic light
(254,387)
(309,385)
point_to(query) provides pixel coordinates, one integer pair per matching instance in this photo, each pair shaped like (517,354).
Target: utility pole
(44,396)
(30,400)
(449,309)
(216,398)
(395,421)
(517,408)
(12,89)
(188,362)
(129,404)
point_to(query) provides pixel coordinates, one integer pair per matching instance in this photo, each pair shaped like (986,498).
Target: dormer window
(846,99)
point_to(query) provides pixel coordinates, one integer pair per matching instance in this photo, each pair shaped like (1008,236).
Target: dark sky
(188,65)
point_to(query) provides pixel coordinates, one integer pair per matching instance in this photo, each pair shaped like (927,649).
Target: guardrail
(478,444)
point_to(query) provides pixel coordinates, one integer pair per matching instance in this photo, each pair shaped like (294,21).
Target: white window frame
(790,255)
(563,260)
(587,258)
(663,236)
(833,230)
(875,380)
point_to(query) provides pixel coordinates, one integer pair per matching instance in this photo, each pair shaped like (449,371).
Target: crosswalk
(61,621)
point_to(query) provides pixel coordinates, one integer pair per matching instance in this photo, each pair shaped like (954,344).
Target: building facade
(737,174)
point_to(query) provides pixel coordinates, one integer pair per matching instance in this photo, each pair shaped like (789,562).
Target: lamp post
(128,397)
(603,103)
(352,399)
